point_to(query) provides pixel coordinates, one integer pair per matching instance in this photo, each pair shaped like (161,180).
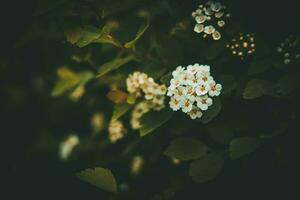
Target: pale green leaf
(240,147)
(186,149)
(206,168)
(99,177)
(120,110)
(113,65)
(153,120)
(139,34)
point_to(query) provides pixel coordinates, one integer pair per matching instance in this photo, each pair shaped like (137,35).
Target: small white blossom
(66,147)
(204,102)
(175,104)
(215,89)
(195,113)
(186,105)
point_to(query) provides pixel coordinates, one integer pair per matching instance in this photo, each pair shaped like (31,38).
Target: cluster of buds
(289,50)
(242,45)
(116,131)
(191,89)
(141,84)
(209,18)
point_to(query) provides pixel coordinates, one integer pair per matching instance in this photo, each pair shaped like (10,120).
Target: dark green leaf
(153,120)
(228,83)
(165,79)
(240,147)
(260,66)
(257,87)
(206,168)
(289,82)
(99,177)
(212,111)
(186,149)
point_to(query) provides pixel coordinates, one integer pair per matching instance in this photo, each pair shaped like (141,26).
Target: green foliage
(99,177)
(260,66)
(69,79)
(228,83)
(90,34)
(139,34)
(212,112)
(206,168)
(257,88)
(120,110)
(289,82)
(186,149)
(240,147)
(113,65)
(153,120)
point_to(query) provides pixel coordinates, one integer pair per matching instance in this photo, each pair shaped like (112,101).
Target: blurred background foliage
(64,64)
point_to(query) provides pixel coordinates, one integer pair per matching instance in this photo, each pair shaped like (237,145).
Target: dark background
(43,176)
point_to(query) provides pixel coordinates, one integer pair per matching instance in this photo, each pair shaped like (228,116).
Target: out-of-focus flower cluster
(242,45)
(139,110)
(141,84)
(116,131)
(137,164)
(97,122)
(289,50)
(209,18)
(191,89)
(67,146)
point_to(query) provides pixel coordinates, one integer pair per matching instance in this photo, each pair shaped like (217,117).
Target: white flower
(204,102)
(195,113)
(200,19)
(216,35)
(199,28)
(209,29)
(202,88)
(175,104)
(186,105)
(215,89)
(177,72)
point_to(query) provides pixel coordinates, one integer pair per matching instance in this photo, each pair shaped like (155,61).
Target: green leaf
(257,88)
(131,98)
(69,80)
(120,110)
(91,34)
(289,82)
(165,79)
(212,111)
(206,168)
(99,177)
(186,149)
(228,83)
(240,147)
(113,65)
(139,34)
(153,120)
(214,50)
(260,66)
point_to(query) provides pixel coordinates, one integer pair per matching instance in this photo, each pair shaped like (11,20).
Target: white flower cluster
(209,17)
(141,84)
(66,147)
(191,89)
(116,131)
(289,50)
(139,110)
(242,45)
